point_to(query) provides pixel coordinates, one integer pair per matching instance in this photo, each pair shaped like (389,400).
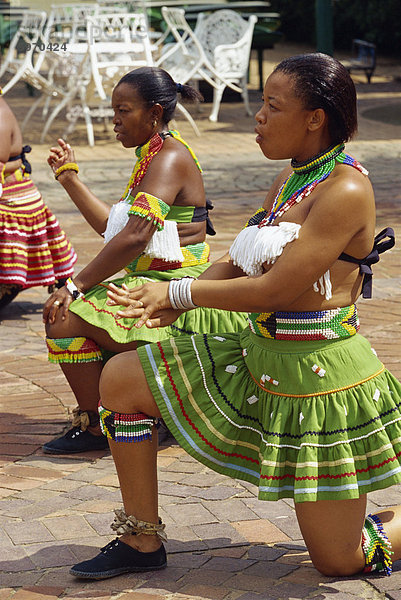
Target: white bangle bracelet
(179,293)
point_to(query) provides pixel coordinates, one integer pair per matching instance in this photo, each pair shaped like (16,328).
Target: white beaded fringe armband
(179,293)
(255,245)
(164,244)
(118,218)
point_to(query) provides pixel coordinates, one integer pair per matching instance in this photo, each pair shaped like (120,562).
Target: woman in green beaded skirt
(298,403)
(155,232)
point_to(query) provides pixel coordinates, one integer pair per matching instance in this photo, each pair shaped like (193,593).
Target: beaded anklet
(376,546)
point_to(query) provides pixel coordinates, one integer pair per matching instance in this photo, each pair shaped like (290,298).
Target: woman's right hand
(57,303)
(60,156)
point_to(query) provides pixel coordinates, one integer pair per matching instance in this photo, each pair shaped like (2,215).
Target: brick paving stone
(217,535)
(182,538)
(204,576)
(28,532)
(230,565)
(141,596)
(16,580)
(266,596)
(265,552)
(188,560)
(205,591)
(107,481)
(17,449)
(192,514)
(38,593)
(49,555)
(233,508)
(61,485)
(32,472)
(260,531)
(98,507)
(101,522)
(44,507)
(67,528)
(15,560)
(248,583)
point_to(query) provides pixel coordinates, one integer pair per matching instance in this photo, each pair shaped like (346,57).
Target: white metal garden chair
(25,48)
(183,57)
(226,39)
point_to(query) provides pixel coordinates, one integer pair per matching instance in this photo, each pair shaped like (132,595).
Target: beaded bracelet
(179,293)
(71,166)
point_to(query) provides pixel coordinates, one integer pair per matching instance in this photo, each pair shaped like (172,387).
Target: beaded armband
(376,546)
(71,166)
(149,207)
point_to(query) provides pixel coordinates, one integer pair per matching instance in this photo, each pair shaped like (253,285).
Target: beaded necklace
(146,153)
(304,178)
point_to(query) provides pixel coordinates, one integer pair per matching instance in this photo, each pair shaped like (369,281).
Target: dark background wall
(377,21)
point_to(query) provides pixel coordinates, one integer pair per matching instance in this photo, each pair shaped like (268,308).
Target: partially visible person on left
(34,250)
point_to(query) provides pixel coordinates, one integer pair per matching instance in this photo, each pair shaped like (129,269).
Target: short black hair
(156,86)
(321,81)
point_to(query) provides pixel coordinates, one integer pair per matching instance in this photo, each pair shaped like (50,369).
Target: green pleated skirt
(93,309)
(315,420)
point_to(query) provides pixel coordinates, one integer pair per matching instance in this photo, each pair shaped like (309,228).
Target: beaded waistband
(194,254)
(308,325)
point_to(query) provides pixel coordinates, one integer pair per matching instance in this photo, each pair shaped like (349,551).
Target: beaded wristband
(71,166)
(179,293)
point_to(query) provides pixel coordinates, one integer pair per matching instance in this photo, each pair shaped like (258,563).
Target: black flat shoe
(75,441)
(117,558)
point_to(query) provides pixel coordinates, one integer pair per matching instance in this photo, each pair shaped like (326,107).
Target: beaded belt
(309,325)
(194,254)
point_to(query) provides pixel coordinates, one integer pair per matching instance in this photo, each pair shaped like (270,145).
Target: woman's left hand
(147,303)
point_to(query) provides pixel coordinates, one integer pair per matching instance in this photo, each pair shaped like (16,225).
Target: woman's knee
(121,378)
(60,328)
(342,565)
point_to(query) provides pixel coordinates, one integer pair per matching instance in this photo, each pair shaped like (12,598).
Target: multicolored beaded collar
(305,177)
(146,153)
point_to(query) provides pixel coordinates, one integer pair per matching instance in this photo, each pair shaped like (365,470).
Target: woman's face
(133,121)
(282,121)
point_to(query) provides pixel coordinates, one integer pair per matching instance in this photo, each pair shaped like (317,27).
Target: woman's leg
(332,531)
(83,378)
(135,461)
(124,391)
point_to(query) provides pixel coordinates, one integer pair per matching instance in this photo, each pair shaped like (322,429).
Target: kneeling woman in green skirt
(297,403)
(156,232)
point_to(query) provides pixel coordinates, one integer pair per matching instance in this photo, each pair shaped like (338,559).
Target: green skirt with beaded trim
(315,420)
(93,309)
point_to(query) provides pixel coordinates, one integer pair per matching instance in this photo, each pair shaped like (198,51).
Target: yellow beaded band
(71,166)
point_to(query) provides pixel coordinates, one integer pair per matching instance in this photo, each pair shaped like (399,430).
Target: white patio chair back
(67,75)
(117,43)
(182,58)
(226,39)
(25,47)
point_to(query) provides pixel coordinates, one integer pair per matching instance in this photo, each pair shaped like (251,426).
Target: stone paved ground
(223,543)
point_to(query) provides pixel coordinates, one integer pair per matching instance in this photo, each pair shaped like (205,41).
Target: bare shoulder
(350,189)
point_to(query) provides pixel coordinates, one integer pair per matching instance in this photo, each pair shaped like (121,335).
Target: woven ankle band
(84,418)
(124,524)
(376,546)
(123,427)
(73,350)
